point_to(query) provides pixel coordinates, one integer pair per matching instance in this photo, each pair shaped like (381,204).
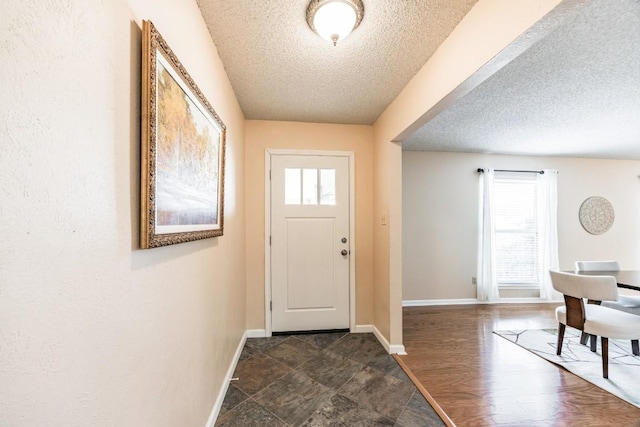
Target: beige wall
(440,208)
(263,135)
(94,331)
(387,214)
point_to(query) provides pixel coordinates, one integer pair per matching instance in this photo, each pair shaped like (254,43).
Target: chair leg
(635,348)
(561,328)
(605,357)
(584,337)
(594,343)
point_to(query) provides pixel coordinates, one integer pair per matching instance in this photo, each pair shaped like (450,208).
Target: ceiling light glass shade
(334,20)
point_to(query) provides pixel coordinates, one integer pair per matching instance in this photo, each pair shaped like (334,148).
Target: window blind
(516,229)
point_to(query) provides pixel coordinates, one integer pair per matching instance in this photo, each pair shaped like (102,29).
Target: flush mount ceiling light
(334,20)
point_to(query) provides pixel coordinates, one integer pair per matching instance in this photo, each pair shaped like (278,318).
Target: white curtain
(548,228)
(487,282)
(547,238)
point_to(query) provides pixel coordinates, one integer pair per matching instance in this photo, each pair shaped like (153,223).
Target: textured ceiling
(575,93)
(281,70)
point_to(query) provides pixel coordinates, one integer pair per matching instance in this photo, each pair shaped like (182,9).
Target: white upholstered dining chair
(597,266)
(628,303)
(592,319)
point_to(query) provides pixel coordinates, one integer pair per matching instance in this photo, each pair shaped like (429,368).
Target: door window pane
(310,186)
(327,186)
(292,186)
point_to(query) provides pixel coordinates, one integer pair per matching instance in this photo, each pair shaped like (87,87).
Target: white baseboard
(215,411)
(256,333)
(397,349)
(427,302)
(390,348)
(467,301)
(525,301)
(363,329)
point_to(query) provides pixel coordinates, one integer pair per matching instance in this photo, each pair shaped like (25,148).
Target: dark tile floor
(330,379)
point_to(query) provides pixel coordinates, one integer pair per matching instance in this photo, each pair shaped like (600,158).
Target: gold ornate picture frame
(182,152)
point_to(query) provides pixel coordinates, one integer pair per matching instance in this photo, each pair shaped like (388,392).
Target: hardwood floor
(481,379)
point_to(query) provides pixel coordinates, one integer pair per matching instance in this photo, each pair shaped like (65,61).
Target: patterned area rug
(624,367)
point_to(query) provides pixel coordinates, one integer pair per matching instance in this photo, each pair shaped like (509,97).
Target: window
(517,232)
(515,213)
(309,186)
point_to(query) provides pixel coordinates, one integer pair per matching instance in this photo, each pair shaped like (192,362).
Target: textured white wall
(440,199)
(94,331)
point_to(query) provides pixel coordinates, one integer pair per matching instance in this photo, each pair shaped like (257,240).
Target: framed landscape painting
(182,153)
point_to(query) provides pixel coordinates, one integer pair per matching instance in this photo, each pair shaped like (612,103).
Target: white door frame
(267,229)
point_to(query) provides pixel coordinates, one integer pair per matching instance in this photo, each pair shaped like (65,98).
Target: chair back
(601,288)
(597,266)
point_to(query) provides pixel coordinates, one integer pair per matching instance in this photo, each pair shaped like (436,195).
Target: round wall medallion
(596,215)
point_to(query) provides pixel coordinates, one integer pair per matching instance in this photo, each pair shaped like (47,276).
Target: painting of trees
(187,157)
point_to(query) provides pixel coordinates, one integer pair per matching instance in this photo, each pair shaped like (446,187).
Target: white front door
(309,242)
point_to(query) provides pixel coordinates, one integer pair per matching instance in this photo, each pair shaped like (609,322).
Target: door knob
(344,252)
